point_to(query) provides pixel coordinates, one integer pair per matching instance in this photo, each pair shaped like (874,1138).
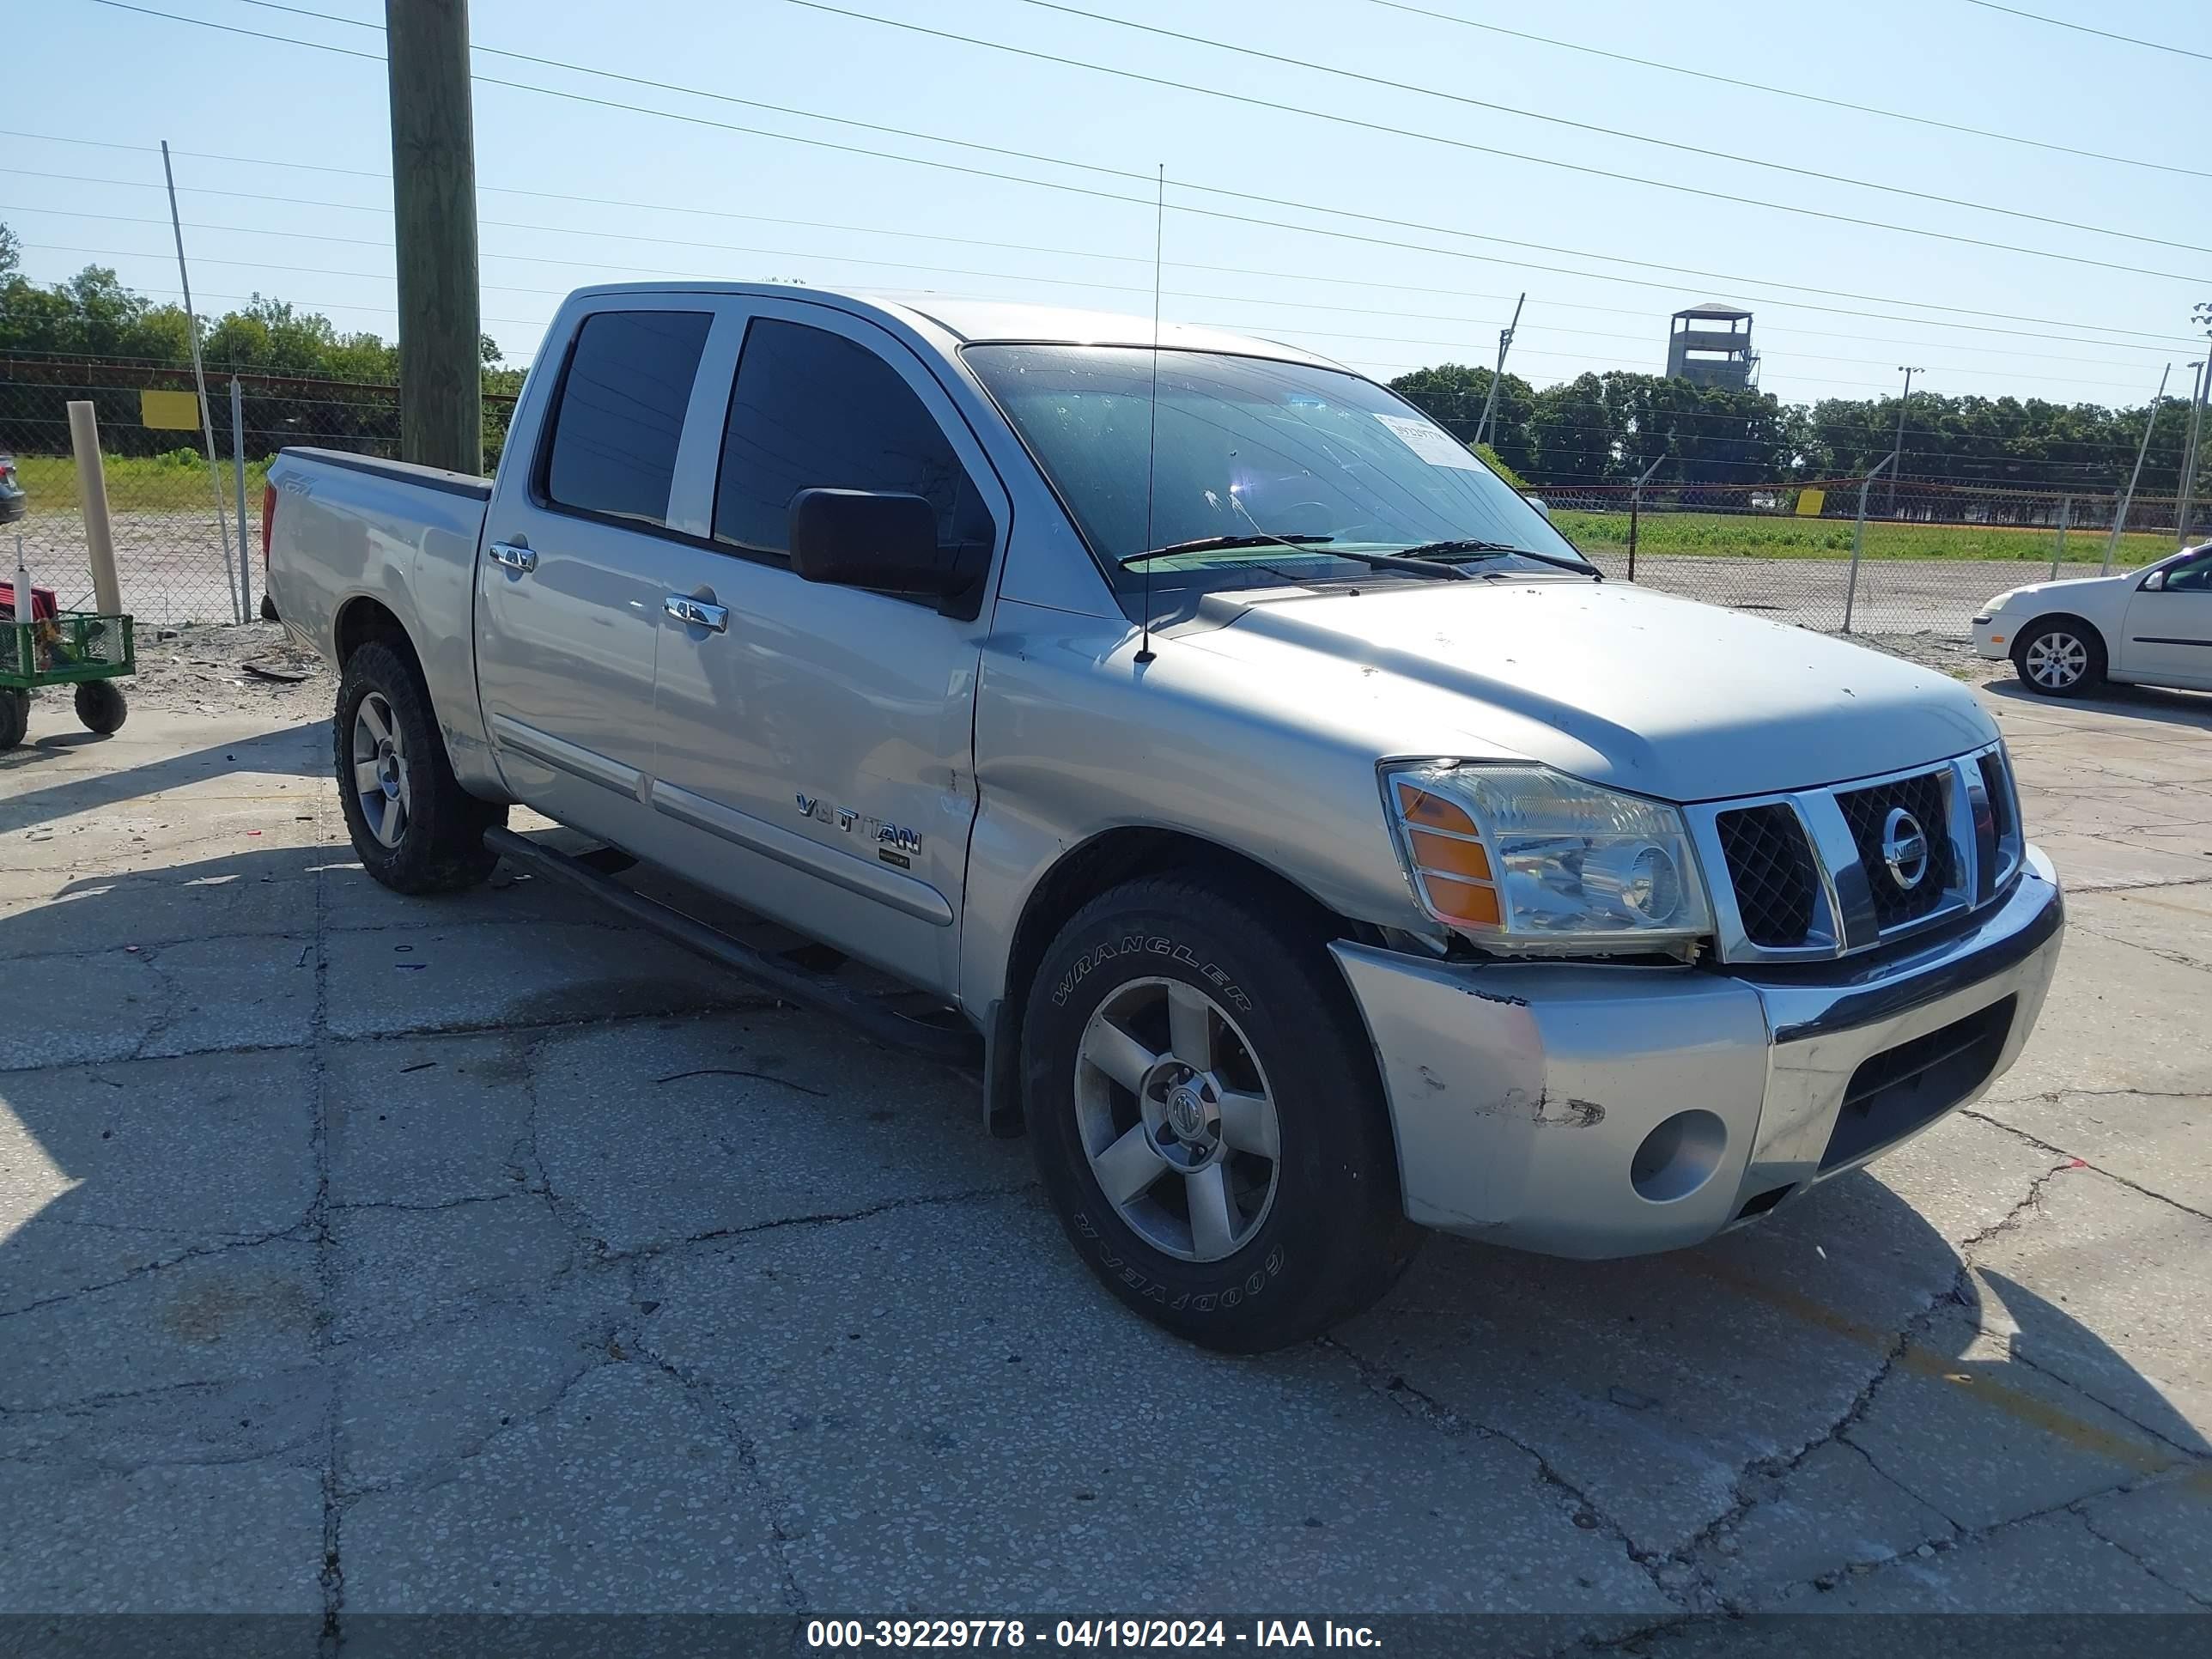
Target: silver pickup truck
(1307,846)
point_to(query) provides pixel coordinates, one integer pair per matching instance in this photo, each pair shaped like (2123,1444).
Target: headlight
(1999,603)
(1524,858)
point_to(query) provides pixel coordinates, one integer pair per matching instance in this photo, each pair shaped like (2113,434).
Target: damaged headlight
(1524,858)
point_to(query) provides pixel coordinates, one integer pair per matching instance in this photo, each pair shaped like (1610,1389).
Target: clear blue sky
(77,69)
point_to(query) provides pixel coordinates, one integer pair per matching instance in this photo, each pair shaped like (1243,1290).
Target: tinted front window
(621,414)
(815,410)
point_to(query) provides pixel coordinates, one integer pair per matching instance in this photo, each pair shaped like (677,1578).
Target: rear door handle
(512,556)
(714,618)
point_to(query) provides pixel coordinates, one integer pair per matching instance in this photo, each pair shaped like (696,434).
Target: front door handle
(514,557)
(714,618)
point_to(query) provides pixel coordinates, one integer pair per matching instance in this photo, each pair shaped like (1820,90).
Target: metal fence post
(1635,509)
(2066,514)
(1858,539)
(238,468)
(2127,499)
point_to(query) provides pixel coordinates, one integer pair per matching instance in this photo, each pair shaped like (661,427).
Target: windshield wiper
(1451,548)
(1376,560)
(1219,544)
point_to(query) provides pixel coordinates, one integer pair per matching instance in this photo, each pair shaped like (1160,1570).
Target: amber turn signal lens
(1463,901)
(1424,810)
(1451,857)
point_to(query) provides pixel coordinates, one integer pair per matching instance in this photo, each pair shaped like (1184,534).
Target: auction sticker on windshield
(1432,443)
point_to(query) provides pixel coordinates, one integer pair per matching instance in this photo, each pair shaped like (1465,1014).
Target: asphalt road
(361,1255)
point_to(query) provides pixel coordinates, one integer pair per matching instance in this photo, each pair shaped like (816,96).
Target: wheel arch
(1078,875)
(363,618)
(2027,631)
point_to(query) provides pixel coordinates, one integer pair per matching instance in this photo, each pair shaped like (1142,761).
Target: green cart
(69,648)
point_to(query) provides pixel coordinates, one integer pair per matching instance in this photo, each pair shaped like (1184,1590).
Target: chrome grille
(1868,813)
(1771,867)
(1805,875)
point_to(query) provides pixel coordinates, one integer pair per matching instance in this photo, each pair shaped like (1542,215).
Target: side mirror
(2155,582)
(867,539)
(887,542)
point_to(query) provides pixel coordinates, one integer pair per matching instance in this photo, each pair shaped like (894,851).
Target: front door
(815,742)
(572,578)
(2167,637)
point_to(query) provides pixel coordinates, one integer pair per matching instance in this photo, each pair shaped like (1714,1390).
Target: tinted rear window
(621,414)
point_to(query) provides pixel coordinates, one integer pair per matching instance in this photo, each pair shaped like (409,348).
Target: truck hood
(1612,683)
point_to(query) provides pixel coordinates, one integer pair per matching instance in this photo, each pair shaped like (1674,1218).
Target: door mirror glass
(869,538)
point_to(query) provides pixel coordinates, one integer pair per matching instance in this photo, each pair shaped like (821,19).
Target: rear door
(577,561)
(815,742)
(2169,631)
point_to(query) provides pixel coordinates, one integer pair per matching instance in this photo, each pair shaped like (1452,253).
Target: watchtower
(1710,345)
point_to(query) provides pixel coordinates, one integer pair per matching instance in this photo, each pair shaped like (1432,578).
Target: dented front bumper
(1604,1111)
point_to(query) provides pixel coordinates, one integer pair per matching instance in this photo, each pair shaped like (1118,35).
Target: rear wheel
(1207,1116)
(2061,657)
(415,827)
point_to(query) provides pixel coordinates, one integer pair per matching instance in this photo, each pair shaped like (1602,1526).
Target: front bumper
(1993,635)
(1606,1111)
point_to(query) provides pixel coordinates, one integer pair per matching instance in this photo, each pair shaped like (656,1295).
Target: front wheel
(1207,1116)
(2061,657)
(15,717)
(415,827)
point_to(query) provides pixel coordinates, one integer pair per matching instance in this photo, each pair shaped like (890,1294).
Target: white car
(2148,627)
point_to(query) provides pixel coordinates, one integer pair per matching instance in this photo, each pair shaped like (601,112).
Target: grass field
(175,483)
(1713,535)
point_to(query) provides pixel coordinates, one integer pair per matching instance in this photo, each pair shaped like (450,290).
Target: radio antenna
(1152,444)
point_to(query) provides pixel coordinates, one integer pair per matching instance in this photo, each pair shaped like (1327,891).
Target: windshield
(1248,448)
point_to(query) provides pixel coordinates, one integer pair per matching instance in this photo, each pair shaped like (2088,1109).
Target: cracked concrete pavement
(362,1256)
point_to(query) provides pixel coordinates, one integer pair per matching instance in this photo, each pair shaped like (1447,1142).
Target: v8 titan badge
(895,844)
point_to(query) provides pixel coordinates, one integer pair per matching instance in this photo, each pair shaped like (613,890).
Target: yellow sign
(1810,502)
(171,411)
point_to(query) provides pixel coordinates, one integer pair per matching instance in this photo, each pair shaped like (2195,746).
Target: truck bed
(358,542)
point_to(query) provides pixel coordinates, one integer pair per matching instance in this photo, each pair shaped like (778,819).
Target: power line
(895,264)
(1096,194)
(1788,92)
(1275,273)
(1124,288)
(1258,331)
(1483,149)
(2083,28)
(1530,115)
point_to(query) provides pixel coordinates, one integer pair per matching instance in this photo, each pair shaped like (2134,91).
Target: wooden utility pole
(433,203)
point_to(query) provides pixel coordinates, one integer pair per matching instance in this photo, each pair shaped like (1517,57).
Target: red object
(268,520)
(43,608)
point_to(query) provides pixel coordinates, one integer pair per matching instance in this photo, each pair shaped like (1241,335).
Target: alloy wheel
(1177,1120)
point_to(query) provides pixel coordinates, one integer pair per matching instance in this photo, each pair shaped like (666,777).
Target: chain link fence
(1929,553)
(176,548)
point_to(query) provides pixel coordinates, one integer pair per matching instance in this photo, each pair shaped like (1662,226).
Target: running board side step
(794,984)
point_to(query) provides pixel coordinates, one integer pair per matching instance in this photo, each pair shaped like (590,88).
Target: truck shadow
(1664,1372)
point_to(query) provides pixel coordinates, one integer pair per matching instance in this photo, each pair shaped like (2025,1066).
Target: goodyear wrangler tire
(415,827)
(1205,1115)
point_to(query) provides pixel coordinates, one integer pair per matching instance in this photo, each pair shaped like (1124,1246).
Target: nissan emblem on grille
(1904,848)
